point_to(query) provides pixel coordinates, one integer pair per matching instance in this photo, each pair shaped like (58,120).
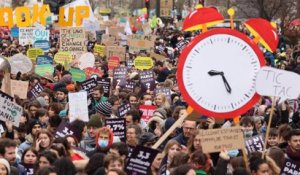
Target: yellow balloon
(230,12)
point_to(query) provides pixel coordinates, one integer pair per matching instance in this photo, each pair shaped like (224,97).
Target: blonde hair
(165,102)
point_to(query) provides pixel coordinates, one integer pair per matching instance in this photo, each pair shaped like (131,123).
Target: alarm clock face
(217,73)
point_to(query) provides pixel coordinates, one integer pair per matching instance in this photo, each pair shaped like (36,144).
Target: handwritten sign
(35,91)
(44,69)
(99,49)
(20,63)
(166,8)
(105,83)
(143,63)
(19,88)
(141,42)
(77,75)
(86,60)
(119,76)
(33,53)
(72,39)
(44,59)
(26,35)
(255,143)
(213,140)
(89,85)
(147,80)
(118,127)
(10,111)
(108,40)
(118,51)
(42,44)
(78,107)
(278,83)
(290,167)
(62,57)
(113,62)
(6,96)
(40,34)
(140,160)
(148,111)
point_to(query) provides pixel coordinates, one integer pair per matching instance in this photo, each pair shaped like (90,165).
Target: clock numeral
(215,107)
(232,106)
(199,99)
(211,41)
(228,40)
(247,95)
(244,48)
(196,51)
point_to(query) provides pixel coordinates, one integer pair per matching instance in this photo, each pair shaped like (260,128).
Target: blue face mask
(103,143)
(233,153)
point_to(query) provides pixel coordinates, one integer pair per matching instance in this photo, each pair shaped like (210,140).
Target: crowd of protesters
(32,148)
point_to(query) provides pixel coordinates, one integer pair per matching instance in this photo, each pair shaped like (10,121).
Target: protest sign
(130,85)
(140,160)
(115,30)
(33,53)
(86,60)
(92,72)
(62,57)
(14,32)
(44,59)
(29,168)
(99,49)
(63,130)
(148,111)
(213,140)
(91,26)
(20,63)
(119,76)
(290,167)
(77,75)
(35,91)
(6,96)
(118,51)
(141,42)
(160,49)
(10,111)
(255,143)
(108,40)
(44,69)
(166,7)
(113,62)
(105,83)
(78,107)
(19,88)
(147,80)
(72,39)
(277,83)
(143,63)
(166,91)
(42,44)
(40,34)
(118,126)
(181,45)
(26,35)
(157,57)
(147,29)
(123,109)
(89,85)
(130,63)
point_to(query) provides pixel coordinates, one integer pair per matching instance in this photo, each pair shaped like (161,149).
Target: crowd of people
(32,148)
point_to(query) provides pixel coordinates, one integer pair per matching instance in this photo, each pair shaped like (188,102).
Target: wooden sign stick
(268,128)
(173,127)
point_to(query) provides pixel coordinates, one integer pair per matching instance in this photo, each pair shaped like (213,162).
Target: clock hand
(214,72)
(227,86)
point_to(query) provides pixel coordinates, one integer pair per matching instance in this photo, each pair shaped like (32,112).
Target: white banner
(10,111)
(78,107)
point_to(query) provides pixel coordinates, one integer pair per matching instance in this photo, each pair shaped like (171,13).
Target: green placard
(44,69)
(77,75)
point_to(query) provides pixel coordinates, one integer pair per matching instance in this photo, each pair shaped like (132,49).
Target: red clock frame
(182,60)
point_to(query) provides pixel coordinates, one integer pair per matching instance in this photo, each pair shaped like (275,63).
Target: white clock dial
(219,73)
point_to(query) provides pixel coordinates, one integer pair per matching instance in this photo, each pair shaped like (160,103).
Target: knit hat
(95,121)
(104,108)
(67,79)
(160,112)
(42,101)
(147,137)
(6,164)
(31,125)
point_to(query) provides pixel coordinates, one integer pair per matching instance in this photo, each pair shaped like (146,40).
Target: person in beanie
(89,142)
(104,109)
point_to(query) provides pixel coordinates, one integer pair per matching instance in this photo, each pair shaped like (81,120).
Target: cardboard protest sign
(108,40)
(290,167)
(40,34)
(147,29)
(148,111)
(42,44)
(143,63)
(141,42)
(14,32)
(213,140)
(44,59)
(181,45)
(118,126)
(19,88)
(166,91)
(89,85)
(99,49)
(278,83)
(130,85)
(113,62)
(62,57)
(26,35)
(35,91)
(166,7)
(255,143)
(78,107)
(119,76)
(92,72)
(20,63)
(118,51)
(91,26)
(33,53)
(123,109)
(10,111)
(86,60)
(115,30)
(44,69)
(147,80)
(105,83)
(6,96)
(141,160)
(63,130)
(77,75)
(157,56)
(72,39)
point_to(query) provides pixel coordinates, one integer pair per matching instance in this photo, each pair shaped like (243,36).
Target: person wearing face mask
(104,140)
(247,125)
